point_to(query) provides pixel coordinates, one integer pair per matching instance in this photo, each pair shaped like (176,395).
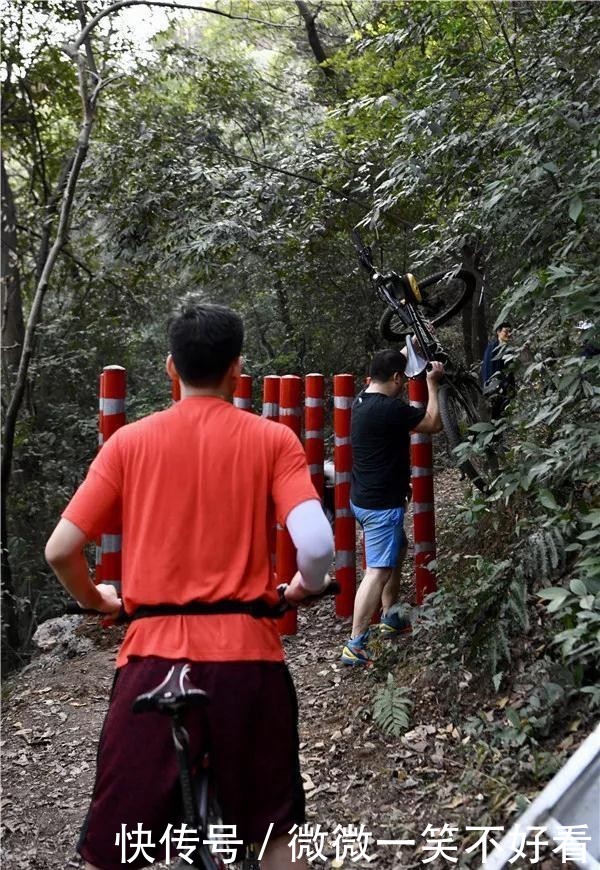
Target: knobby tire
(391,327)
(453,408)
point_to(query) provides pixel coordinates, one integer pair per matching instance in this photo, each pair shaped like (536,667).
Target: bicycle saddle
(175,694)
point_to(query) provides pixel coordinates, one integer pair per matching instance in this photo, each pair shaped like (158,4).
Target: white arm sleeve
(313,539)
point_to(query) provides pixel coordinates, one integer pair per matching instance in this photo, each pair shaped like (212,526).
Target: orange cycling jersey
(200,486)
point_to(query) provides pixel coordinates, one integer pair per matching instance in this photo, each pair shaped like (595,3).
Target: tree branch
(74,47)
(68,194)
(313,37)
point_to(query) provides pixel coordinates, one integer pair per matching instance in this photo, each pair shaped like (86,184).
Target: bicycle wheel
(457,415)
(440,301)
(392,327)
(445,294)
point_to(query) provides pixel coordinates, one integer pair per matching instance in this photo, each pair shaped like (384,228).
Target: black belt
(258,608)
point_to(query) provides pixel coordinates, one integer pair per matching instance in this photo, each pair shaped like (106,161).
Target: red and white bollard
(270,406)
(422,495)
(242,398)
(290,414)
(270,411)
(113,387)
(314,416)
(345,526)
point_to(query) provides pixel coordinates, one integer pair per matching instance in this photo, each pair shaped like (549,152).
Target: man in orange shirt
(199,486)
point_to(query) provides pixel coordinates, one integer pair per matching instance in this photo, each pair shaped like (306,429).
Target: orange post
(270,407)
(290,414)
(314,445)
(421,453)
(98,574)
(345,526)
(242,398)
(270,410)
(113,387)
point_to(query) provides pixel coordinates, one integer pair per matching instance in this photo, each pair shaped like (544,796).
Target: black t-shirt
(381,450)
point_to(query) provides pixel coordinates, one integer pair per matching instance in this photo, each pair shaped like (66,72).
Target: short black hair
(386,363)
(204,340)
(504,325)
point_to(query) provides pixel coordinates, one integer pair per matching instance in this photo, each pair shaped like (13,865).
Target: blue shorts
(384,535)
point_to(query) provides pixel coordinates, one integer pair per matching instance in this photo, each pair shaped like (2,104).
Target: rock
(57,637)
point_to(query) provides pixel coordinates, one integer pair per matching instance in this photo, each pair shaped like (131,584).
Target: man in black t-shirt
(380,435)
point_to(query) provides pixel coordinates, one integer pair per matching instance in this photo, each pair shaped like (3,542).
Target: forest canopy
(232,155)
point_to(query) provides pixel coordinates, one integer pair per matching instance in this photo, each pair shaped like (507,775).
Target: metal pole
(290,414)
(112,416)
(422,497)
(314,444)
(242,398)
(345,526)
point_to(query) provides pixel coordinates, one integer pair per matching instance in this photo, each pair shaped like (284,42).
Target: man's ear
(170,367)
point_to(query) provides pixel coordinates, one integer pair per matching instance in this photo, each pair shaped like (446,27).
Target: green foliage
(224,162)
(391,708)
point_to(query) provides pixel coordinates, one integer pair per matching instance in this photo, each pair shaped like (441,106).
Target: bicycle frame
(402,295)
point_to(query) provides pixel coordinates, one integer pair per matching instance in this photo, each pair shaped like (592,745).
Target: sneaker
(355,652)
(393,624)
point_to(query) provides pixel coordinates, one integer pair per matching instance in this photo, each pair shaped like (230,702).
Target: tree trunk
(13,329)
(467,331)
(479,327)
(313,37)
(16,400)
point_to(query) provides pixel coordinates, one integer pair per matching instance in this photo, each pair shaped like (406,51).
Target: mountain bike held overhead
(200,486)
(414,309)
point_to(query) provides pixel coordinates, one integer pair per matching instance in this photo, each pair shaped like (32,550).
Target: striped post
(423,501)
(290,414)
(314,416)
(113,387)
(345,527)
(270,407)
(270,411)
(242,398)
(98,573)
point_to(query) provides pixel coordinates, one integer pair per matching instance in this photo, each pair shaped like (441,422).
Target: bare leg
(368,598)
(91,866)
(278,856)
(391,590)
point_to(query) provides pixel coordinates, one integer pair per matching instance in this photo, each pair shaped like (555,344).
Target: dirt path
(353,775)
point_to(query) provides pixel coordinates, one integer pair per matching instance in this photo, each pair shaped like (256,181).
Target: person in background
(380,437)
(497,382)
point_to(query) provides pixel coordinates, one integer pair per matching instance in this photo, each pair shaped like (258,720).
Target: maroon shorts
(252,723)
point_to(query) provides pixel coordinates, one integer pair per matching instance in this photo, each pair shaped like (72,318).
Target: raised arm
(432,422)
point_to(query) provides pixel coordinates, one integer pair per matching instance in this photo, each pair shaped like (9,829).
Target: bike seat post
(181,741)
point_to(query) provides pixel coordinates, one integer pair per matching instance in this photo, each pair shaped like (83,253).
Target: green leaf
(552,593)
(513,718)
(547,500)
(578,587)
(575,207)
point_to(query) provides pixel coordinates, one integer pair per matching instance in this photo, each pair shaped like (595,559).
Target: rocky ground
(353,774)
